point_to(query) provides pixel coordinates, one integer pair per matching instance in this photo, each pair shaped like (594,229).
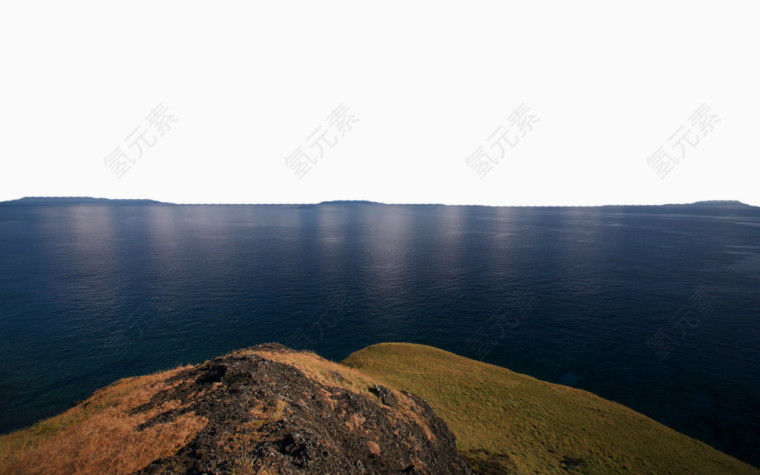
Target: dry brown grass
(99,435)
(374,449)
(413,412)
(355,422)
(334,374)
(324,371)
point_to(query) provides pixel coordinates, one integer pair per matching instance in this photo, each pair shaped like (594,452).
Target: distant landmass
(709,204)
(722,204)
(69,200)
(351,202)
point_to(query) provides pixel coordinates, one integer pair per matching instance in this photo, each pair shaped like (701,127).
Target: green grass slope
(509,422)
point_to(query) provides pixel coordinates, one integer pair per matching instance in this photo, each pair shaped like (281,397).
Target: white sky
(429,82)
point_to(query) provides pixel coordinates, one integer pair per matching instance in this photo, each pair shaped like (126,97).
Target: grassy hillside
(98,435)
(261,410)
(505,421)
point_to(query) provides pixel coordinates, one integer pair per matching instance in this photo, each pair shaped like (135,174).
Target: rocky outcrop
(268,416)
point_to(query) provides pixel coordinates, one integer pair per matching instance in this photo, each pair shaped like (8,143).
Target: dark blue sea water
(655,307)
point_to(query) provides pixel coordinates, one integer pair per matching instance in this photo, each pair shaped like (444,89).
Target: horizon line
(362,201)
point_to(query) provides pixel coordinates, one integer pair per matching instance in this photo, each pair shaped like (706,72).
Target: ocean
(657,308)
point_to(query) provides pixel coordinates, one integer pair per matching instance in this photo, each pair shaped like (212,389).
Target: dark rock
(570,463)
(267,416)
(385,394)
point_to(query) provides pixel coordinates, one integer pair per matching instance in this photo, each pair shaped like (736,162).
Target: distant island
(350,202)
(722,204)
(75,200)
(709,204)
